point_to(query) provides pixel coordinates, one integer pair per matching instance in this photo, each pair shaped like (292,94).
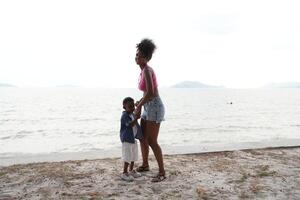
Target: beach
(269,173)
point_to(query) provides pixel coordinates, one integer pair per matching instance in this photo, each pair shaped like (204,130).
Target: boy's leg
(126,176)
(131,166)
(125,169)
(133,172)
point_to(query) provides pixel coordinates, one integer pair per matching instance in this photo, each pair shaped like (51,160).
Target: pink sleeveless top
(142,79)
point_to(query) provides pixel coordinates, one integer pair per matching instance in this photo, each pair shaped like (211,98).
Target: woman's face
(139,59)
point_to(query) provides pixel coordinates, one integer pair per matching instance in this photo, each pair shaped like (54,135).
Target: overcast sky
(237,44)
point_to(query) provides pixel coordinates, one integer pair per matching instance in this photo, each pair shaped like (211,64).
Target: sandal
(158,178)
(142,168)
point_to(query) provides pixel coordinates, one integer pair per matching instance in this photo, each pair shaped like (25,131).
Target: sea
(64,123)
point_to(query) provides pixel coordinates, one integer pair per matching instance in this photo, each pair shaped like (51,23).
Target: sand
(244,174)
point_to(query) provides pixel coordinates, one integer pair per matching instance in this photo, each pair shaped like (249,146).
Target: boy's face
(129,106)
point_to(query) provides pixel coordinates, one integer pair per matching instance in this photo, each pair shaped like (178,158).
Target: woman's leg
(144,144)
(152,129)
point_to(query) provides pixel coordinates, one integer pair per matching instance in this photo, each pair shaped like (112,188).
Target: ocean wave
(184,130)
(6,137)
(90,119)
(22,134)
(249,127)
(295,125)
(9,111)
(19,120)
(225,130)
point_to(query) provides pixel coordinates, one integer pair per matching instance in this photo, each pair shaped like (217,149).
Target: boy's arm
(126,120)
(133,122)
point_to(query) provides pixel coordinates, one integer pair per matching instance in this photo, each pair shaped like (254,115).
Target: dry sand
(247,174)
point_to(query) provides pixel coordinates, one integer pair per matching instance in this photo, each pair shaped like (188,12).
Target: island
(194,84)
(283,85)
(6,85)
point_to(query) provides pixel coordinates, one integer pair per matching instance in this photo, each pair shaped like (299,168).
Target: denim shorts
(154,110)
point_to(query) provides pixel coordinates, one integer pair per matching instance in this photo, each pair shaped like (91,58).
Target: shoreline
(267,173)
(13,159)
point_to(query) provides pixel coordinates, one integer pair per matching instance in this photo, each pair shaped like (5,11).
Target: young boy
(130,129)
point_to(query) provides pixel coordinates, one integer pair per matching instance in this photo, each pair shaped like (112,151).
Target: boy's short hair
(146,47)
(127,100)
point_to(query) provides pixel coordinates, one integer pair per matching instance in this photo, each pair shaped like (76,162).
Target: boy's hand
(137,116)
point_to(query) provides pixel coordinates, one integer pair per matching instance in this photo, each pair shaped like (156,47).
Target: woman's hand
(137,103)
(137,112)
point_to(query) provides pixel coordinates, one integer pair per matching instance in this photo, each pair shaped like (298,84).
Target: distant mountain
(68,86)
(283,85)
(194,84)
(6,85)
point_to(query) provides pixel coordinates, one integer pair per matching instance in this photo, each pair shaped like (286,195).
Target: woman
(153,112)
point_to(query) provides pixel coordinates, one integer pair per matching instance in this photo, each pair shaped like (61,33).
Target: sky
(237,44)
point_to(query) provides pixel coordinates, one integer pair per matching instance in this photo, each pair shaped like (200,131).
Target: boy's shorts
(129,152)
(154,110)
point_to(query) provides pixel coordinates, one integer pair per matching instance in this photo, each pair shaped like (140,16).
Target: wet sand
(272,173)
